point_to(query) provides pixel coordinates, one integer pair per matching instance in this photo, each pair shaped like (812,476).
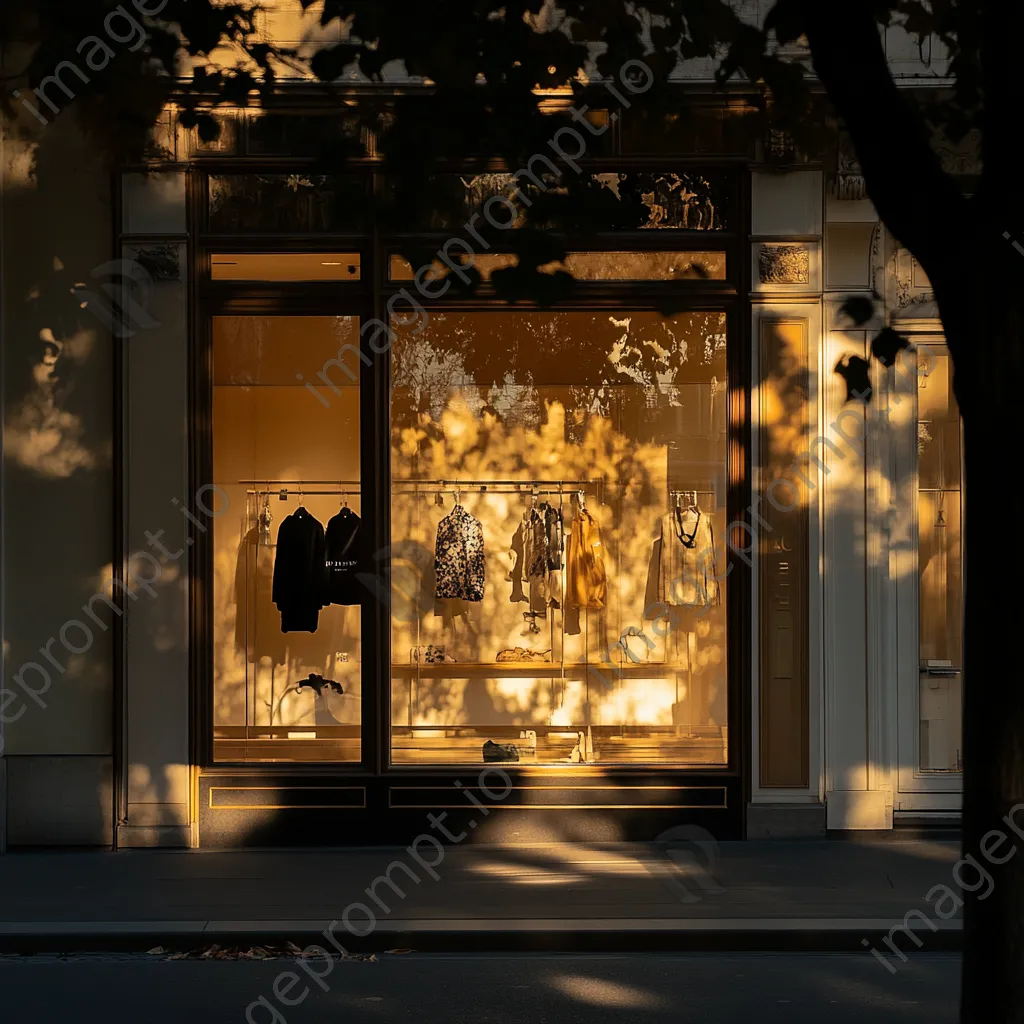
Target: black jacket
(298,589)
(342,559)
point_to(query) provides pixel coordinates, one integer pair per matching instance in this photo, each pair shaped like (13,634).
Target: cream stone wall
(57,504)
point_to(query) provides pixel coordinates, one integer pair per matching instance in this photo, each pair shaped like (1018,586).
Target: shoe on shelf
(500,751)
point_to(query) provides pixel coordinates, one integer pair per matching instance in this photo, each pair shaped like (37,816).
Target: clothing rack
(523,487)
(460,481)
(302,492)
(284,488)
(697,494)
(304,487)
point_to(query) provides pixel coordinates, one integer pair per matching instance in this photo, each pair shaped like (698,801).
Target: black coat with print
(343,559)
(459,557)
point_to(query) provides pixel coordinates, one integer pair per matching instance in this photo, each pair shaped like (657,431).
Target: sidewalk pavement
(806,895)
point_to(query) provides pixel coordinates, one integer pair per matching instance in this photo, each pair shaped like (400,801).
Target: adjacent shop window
(940,562)
(286,614)
(558,518)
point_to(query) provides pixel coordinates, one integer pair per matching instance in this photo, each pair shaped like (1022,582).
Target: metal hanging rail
(304,487)
(339,487)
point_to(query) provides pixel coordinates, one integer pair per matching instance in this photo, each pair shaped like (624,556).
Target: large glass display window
(558,569)
(286,626)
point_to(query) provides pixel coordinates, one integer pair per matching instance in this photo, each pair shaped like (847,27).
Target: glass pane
(284,266)
(285,202)
(522,617)
(940,562)
(153,204)
(593,266)
(286,635)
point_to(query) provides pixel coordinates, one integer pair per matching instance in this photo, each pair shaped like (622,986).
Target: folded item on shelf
(584,749)
(523,654)
(431,654)
(500,751)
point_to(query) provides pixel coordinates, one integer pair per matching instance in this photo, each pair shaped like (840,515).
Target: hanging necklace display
(688,540)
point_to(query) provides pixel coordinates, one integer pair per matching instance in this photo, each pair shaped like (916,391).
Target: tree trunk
(993,810)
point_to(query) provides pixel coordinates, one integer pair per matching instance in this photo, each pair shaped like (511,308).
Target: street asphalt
(482,989)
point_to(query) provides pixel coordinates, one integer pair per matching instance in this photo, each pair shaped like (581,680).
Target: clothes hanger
(265,516)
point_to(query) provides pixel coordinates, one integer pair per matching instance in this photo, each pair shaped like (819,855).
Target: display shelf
(555,746)
(542,669)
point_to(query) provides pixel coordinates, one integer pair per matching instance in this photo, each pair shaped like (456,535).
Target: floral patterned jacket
(459,557)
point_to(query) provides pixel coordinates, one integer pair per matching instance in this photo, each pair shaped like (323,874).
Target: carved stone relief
(784,264)
(848,182)
(963,157)
(907,290)
(159,261)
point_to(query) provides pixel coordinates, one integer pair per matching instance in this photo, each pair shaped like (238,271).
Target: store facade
(381,549)
(548,636)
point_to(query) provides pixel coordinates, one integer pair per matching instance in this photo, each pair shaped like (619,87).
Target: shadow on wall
(58,500)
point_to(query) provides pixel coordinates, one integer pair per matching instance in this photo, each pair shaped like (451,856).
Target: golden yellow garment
(586,584)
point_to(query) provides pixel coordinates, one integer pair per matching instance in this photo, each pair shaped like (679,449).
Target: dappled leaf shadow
(854,372)
(887,345)
(857,308)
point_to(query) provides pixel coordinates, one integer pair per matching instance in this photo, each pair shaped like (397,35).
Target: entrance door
(929,563)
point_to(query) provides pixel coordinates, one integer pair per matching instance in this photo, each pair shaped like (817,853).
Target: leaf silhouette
(854,371)
(887,345)
(858,308)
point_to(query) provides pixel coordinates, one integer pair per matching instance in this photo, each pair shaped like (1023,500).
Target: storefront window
(940,562)
(286,614)
(558,519)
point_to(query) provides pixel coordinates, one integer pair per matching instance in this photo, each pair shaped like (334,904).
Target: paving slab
(746,895)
